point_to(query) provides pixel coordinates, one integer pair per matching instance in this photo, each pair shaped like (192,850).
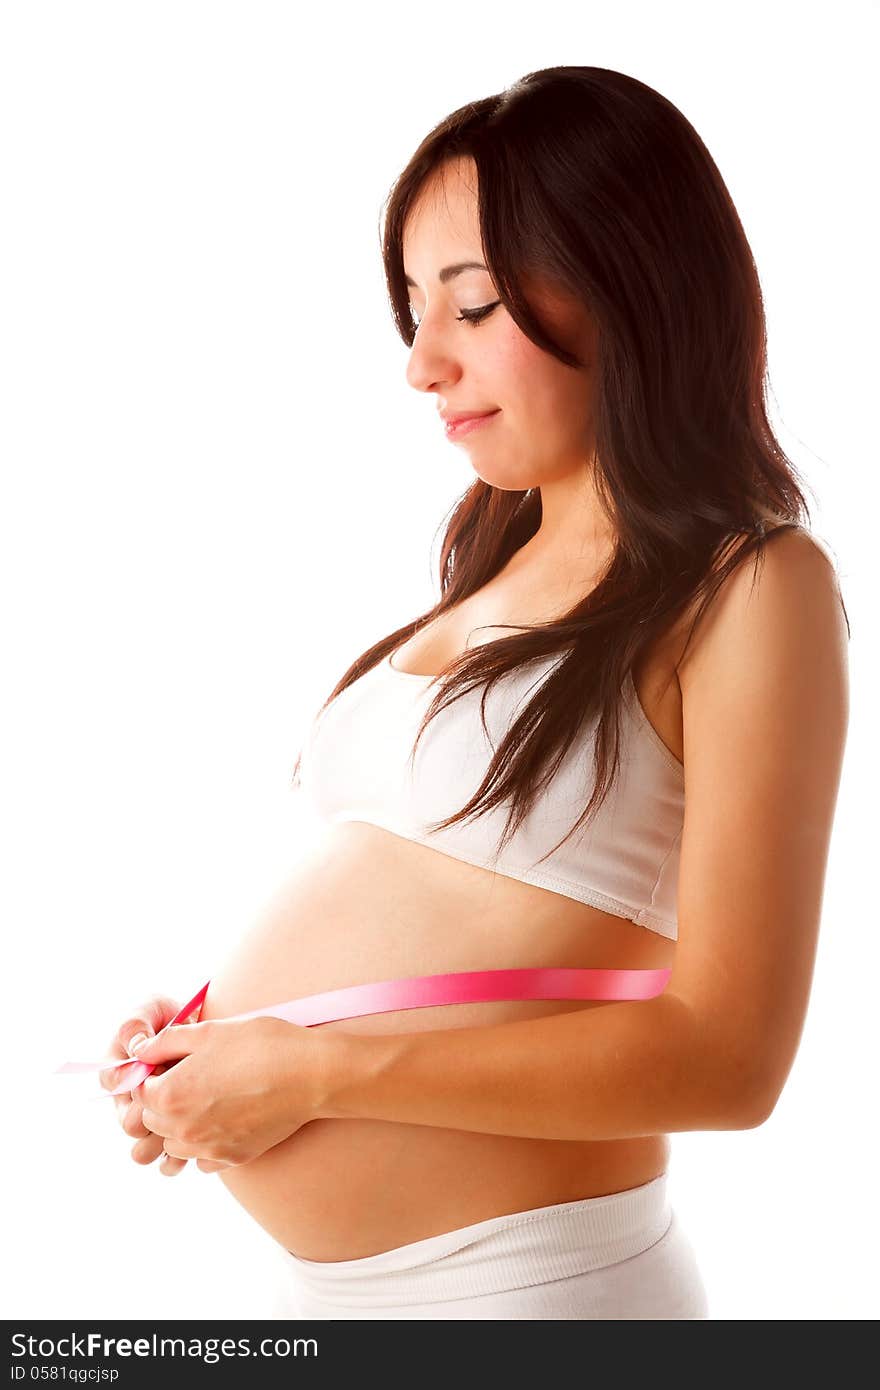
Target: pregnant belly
(366,905)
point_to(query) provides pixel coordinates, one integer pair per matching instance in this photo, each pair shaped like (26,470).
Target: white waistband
(505,1252)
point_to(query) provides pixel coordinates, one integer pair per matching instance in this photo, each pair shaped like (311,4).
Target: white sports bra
(355,766)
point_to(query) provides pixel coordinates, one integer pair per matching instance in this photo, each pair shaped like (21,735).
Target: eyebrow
(449,272)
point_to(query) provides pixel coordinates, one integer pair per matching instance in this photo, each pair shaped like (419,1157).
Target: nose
(431,361)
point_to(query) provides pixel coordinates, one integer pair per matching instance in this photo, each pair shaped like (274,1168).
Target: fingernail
(137,1042)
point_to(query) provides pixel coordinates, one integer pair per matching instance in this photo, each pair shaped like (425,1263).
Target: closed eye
(472,316)
(476,316)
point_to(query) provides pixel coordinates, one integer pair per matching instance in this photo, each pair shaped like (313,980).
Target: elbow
(768,1074)
(736,1091)
(726,1089)
(762,1104)
(755,1115)
(755,1099)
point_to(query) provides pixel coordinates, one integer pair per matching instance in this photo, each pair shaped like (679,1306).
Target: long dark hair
(597,184)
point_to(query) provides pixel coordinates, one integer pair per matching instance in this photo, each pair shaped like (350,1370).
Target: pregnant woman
(631,704)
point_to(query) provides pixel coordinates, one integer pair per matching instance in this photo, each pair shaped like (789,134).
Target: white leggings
(619,1256)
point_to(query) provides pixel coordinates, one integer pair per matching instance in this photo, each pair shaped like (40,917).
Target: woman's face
(542,432)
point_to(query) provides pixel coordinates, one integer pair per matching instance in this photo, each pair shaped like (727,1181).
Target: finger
(125,1100)
(148,1149)
(132,1120)
(207,1166)
(123,1103)
(171,1166)
(149,1018)
(178,1150)
(128,1106)
(111,1077)
(174,1042)
(151,1122)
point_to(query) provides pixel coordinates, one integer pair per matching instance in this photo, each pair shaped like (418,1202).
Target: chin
(503,479)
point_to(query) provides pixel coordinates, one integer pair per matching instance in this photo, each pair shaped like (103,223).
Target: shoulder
(785,591)
(767,662)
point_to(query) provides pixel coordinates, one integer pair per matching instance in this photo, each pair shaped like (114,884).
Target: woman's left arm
(765,706)
(765,697)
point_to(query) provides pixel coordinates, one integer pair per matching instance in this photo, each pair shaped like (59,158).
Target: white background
(218,487)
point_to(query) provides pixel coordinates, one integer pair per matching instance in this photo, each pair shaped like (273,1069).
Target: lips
(459,425)
(466,415)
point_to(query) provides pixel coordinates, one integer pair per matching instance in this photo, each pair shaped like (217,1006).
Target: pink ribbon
(416,992)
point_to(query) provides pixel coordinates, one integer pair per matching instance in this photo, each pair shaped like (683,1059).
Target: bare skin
(149,1019)
(369,905)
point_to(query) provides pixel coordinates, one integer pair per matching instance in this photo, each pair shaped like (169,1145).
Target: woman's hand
(234,1088)
(149,1019)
